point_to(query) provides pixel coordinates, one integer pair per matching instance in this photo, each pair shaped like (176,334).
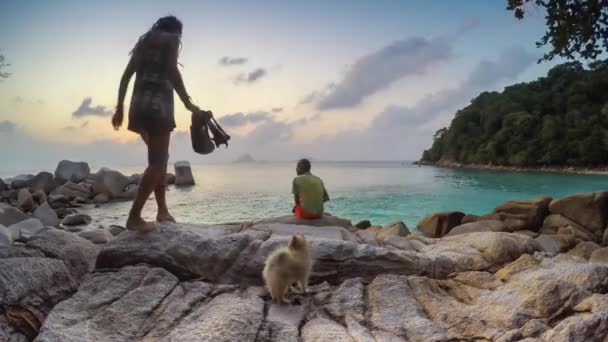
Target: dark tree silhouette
(575,28)
(3,65)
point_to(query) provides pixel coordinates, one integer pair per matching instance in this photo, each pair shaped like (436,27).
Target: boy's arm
(294,191)
(325,194)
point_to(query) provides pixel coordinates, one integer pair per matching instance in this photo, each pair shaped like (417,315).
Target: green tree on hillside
(574,27)
(557,120)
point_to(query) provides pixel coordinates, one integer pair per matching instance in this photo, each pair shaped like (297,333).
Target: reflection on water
(380,191)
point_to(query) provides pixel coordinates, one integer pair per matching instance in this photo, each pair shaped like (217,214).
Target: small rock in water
(363,224)
(72,171)
(47,215)
(183,174)
(76,220)
(25,201)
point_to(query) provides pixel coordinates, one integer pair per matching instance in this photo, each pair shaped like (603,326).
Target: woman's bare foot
(164,217)
(139,225)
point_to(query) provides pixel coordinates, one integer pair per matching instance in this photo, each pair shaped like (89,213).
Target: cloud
(242,119)
(469,23)
(17,100)
(7,126)
(68,128)
(251,77)
(510,64)
(85,109)
(277,109)
(378,70)
(230,61)
(84,124)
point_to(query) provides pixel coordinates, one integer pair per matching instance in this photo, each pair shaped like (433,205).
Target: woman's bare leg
(158,149)
(160,192)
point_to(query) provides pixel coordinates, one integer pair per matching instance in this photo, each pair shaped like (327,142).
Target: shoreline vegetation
(597,171)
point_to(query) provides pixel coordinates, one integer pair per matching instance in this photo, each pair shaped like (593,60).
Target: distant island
(559,121)
(244,159)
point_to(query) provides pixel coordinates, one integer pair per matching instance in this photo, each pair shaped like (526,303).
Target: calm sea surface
(379,191)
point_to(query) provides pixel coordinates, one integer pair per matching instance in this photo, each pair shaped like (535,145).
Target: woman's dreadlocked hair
(169,24)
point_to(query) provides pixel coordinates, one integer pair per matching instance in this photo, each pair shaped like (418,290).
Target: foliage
(3,64)
(574,27)
(557,120)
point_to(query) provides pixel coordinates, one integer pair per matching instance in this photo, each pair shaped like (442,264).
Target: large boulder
(97,236)
(72,171)
(325,221)
(23,230)
(523,215)
(439,224)
(394,229)
(560,223)
(25,201)
(183,174)
(10,215)
(479,226)
(46,215)
(589,209)
(554,244)
(31,287)
(71,191)
(76,220)
(21,181)
(110,182)
(42,182)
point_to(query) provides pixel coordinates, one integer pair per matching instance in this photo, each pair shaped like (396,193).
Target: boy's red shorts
(299,212)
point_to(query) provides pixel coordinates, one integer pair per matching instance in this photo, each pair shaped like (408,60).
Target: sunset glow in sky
(334,80)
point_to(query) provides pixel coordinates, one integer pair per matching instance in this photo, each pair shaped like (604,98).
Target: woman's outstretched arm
(122,91)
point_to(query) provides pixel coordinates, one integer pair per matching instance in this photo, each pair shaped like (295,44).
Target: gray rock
(392,230)
(6,238)
(600,254)
(20,181)
(116,230)
(24,230)
(97,236)
(39,197)
(75,252)
(323,329)
(135,178)
(325,221)
(63,212)
(42,182)
(10,215)
(70,191)
(72,171)
(183,174)
(554,244)
(110,182)
(3,185)
(363,236)
(46,215)
(31,287)
(25,201)
(479,226)
(76,220)
(129,193)
(58,201)
(101,198)
(337,233)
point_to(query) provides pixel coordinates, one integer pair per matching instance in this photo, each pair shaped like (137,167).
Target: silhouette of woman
(154,61)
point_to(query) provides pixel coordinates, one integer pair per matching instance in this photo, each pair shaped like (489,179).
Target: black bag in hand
(202,123)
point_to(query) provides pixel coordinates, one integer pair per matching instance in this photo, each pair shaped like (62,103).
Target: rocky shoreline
(531,270)
(551,169)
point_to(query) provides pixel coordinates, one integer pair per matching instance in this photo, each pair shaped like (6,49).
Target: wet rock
(25,201)
(439,224)
(589,209)
(75,172)
(23,230)
(479,226)
(46,215)
(110,182)
(76,220)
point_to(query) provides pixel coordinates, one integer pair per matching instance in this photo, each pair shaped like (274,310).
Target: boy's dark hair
(304,164)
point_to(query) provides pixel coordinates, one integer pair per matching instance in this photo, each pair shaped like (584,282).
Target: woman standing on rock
(154,60)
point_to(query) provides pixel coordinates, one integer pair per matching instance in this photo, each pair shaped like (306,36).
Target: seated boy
(309,192)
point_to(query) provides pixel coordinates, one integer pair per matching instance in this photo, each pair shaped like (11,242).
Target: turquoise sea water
(379,191)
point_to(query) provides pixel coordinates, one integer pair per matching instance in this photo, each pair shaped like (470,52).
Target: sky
(326,79)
